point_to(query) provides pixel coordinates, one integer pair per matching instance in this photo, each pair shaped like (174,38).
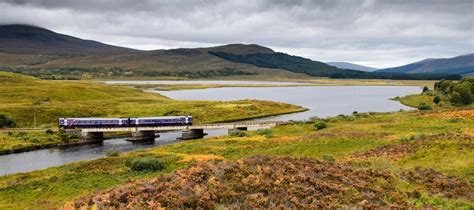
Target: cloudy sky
(368,32)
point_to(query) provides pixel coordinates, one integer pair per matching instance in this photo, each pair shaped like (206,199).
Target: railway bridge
(188,131)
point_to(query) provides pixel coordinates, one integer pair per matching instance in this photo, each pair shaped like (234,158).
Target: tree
(6,122)
(436,99)
(424,106)
(455,98)
(464,91)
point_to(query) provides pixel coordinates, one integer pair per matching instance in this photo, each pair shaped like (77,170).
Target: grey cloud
(383,33)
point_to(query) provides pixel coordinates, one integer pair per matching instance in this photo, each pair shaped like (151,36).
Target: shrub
(454,120)
(49,132)
(65,136)
(328,158)
(145,164)
(320,125)
(112,153)
(424,106)
(6,122)
(265,132)
(425,89)
(238,133)
(464,91)
(436,99)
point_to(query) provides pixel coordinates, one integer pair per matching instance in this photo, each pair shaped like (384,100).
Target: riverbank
(191,84)
(394,143)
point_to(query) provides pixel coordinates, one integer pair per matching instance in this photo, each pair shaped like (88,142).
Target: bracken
(256,182)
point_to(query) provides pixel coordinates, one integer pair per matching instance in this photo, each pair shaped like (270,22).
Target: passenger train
(71,123)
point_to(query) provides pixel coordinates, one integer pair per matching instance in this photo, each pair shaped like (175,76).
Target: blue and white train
(71,123)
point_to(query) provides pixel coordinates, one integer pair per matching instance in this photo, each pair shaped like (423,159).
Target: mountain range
(347,65)
(463,64)
(40,52)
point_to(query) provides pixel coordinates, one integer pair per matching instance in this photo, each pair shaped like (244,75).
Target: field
(401,159)
(22,95)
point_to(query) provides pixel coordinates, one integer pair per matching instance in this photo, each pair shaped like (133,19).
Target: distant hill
(32,39)
(463,64)
(346,65)
(49,55)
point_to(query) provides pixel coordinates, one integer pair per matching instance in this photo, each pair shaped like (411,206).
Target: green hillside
(21,95)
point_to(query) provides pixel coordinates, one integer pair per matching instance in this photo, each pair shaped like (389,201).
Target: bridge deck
(173,128)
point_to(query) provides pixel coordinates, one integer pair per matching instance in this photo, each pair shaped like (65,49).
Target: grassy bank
(303,82)
(427,98)
(394,143)
(11,142)
(21,96)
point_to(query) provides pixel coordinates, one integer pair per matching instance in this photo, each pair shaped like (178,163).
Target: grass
(427,98)
(23,141)
(343,137)
(22,95)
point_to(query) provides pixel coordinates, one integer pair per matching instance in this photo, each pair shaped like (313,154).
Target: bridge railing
(185,127)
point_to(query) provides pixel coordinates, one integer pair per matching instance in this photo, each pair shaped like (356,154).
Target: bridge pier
(92,136)
(193,134)
(236,130)
(142,136)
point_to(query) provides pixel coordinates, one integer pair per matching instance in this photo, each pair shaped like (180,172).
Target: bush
(320,125)
(65,136)
(425,89)
(265,132)
(49,132)
(454,120)
(238,133)
(464,91)
(145,164)
(436,99)
(112,153)
(6,122)
(424,106)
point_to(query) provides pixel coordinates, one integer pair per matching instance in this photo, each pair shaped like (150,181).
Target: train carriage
(71,123)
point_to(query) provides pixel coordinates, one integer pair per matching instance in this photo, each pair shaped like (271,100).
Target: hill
(32,39)
(463,64)
(43,53)
(346,65)
(46,54)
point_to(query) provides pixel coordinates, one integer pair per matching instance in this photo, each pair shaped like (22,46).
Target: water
(44,158)
(190,82)
(322,101)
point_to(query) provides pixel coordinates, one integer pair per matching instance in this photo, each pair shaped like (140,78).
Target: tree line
(319,69)
(460,93)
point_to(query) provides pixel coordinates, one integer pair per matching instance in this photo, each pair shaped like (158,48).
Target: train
(72,123)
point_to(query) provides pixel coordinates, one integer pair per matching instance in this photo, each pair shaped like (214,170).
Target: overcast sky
(368,32)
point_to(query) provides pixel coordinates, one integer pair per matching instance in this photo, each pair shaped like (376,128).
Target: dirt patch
(410,146)
(257,182)
(437,183)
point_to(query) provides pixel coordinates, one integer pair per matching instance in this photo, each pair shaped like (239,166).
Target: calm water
(321,101)
(220,82)
(44,158)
